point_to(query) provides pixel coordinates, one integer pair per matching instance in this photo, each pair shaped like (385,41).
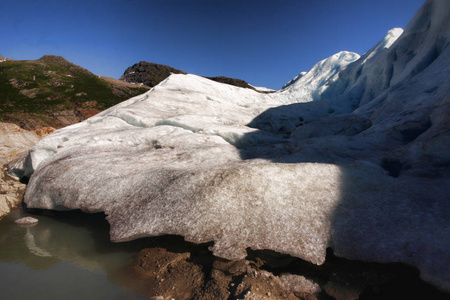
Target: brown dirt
(44,131)
(159,273)
(185,271)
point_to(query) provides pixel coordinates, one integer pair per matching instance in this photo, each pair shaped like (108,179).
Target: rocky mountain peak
(151,74)
(148,73)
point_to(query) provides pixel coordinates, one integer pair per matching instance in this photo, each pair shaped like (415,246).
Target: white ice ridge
(309,86)
(385,43)
(363,170)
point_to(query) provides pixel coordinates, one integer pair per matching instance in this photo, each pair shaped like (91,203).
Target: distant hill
(152,74)
(52,91)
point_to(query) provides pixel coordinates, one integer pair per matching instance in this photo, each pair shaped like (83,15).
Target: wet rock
(11,192)
(299,284)
(27,221)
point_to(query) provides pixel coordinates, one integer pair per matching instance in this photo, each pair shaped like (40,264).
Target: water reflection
(67,255)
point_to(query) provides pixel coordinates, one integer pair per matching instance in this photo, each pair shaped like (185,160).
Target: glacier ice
(352,155)
(309,86)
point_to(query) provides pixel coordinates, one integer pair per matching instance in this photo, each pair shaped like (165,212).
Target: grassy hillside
(51,91)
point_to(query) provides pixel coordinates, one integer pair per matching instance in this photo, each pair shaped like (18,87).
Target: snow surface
(362,169)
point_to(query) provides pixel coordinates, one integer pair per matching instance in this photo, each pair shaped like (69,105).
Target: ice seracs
(309,86)
(385,43)
(352,155)
(329,79)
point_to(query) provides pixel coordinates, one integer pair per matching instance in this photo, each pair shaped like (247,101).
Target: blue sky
(263,42)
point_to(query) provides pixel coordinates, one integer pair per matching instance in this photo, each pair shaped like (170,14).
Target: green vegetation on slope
(51,91)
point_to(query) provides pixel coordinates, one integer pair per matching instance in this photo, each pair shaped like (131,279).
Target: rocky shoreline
(168,267)
(14,143)
(174,272)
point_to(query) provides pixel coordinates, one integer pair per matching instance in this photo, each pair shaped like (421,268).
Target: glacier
(309,86)
(351,155)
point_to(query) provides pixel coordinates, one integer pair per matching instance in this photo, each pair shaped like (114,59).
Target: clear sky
(265,42)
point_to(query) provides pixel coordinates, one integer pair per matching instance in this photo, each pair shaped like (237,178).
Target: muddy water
(64,256)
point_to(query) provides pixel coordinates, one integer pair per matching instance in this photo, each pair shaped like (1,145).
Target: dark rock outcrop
(232,81)
(150,74)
